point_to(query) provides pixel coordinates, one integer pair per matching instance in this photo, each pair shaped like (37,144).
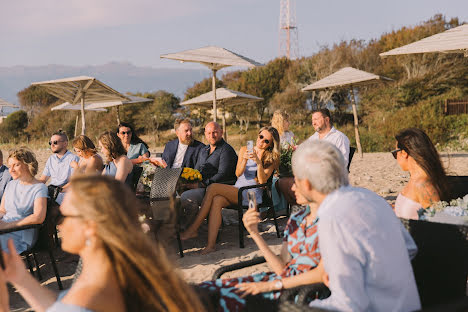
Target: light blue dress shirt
(59,169)
(5,177)
(19,203)
(365,251)
(59,306)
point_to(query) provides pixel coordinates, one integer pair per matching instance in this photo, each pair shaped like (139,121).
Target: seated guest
(298,264)
(216,165)
(364,247)
(136,149)
(183,151)
(5,176)
(428,184)
(57,167)
(90,161)
(118,165)
(280,121)
(24,201)
(123,269)
(253,167)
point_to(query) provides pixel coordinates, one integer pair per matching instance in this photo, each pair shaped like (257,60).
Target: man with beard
(58,167)
(183,151)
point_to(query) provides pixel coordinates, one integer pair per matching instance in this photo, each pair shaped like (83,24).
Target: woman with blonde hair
(118,165)
(90,161)
(24,201)
(253,167)
(280,121)
(123,269)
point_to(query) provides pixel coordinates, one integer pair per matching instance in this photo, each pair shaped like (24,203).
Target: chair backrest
(163,188)
(45,237)
(137,171)
(458,186)
(352,150)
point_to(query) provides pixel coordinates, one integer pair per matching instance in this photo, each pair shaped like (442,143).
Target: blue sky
(93,32)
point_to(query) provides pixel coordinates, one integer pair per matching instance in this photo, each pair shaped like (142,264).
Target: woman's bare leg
(212,191)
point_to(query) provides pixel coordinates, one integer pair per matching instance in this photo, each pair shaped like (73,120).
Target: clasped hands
(157,161)
(252,155)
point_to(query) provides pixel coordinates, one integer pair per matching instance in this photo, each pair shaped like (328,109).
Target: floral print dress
(302,246)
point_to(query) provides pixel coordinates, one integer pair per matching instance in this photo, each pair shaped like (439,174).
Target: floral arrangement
(455,211)
(190,175)
(147,175)
(285,167)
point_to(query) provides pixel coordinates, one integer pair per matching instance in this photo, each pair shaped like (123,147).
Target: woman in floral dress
(298,264)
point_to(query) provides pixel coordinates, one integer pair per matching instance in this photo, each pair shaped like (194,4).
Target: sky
(95,32)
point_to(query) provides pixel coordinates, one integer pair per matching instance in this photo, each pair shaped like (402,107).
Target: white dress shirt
(337,138)
(365,251)
(179,158)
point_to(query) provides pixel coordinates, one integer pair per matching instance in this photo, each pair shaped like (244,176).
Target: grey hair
(322,164)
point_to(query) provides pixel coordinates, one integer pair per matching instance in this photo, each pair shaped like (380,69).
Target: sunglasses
(395,152)
(126,132)
(54,142)
(61,217)
(261,137)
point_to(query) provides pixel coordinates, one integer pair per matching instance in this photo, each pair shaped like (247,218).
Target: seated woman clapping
(24,201)
(427,185)
(90,161)
(298,264)
(118,165)
(253,167)
(123,269)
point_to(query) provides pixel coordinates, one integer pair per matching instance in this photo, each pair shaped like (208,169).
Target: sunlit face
(402,161)
(300,199)
(58,144)
(213,134)
(78,152)
(72,227)
(264,140)
(18,169)
(103,149)
(319,122)
(125,134)
(184,133)
(286,125)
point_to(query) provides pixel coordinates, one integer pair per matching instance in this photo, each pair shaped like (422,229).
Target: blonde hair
(277,121)
(272,154)
(113,145)
(83,143)
(144,274)
(27,157)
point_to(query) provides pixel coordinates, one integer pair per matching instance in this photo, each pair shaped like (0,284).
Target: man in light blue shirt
(5,176)
(58,167)
(364,247)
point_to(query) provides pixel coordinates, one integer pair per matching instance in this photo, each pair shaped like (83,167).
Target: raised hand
(251,220)
(4,299)
(15,270)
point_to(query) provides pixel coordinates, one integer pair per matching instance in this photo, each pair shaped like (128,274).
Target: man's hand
(251,220)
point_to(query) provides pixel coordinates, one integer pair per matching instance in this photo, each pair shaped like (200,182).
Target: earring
(87,242)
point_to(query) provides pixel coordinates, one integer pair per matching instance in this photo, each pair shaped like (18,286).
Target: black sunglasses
(126,132)
(61,217)
(54,142)
(395,152)
(261,138)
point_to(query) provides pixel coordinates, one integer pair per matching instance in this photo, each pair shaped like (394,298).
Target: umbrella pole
(224,124)
(118,114)
(76,125)
(83,122)
(214,96)
(356,122)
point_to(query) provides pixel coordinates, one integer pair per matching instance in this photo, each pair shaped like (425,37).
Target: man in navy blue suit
(183,151)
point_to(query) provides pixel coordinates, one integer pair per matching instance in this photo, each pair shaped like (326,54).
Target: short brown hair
(180,121)
(83,143)
(62,134)
(325,113)
(27,157)
(113,145)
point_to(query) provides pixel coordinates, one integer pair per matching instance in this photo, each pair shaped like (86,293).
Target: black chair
(137,171)
(267,202)
(458,186)
(352,150)
(45,241)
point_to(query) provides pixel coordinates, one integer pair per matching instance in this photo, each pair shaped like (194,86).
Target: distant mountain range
(121,76)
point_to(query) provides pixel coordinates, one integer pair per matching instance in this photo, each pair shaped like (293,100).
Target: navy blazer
(190,157)
(219,166)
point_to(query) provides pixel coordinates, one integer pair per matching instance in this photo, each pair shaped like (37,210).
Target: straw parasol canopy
(80,90)
(347,77)
(214,58)
(454,40)
(225,97)
(4,103)
(76,107)
(117,103)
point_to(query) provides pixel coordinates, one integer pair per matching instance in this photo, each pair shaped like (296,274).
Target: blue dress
(19,203)
(248,178)
(136,150)
(58,306)
(110,169)
(303,247)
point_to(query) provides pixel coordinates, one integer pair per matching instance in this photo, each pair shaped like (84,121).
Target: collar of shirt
(330,198)
(60,159)
(217,145)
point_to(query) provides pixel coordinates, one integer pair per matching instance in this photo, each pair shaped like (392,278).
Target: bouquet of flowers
(190,175)
(147,175)
(455,211)
(285,168)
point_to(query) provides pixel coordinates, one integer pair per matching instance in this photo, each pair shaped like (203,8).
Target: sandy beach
(378,172)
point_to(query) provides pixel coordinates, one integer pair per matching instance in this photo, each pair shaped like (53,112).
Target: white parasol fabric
(76,107)
(226,96)
(454,40)
(215,58)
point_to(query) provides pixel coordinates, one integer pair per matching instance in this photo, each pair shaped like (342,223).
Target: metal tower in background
(288,37)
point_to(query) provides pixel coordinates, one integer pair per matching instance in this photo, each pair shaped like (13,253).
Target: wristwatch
(278,285)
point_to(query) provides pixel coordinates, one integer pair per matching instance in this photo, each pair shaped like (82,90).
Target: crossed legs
(216,198)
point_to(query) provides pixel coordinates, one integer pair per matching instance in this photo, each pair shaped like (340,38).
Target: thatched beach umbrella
(76,107)
(454,40)
(347,77)
(4,103)
(215,58)
(226,97)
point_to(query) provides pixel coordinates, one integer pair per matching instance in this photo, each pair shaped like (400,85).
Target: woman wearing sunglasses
(427,185)
(123,269)
(137,149)
(253,167)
